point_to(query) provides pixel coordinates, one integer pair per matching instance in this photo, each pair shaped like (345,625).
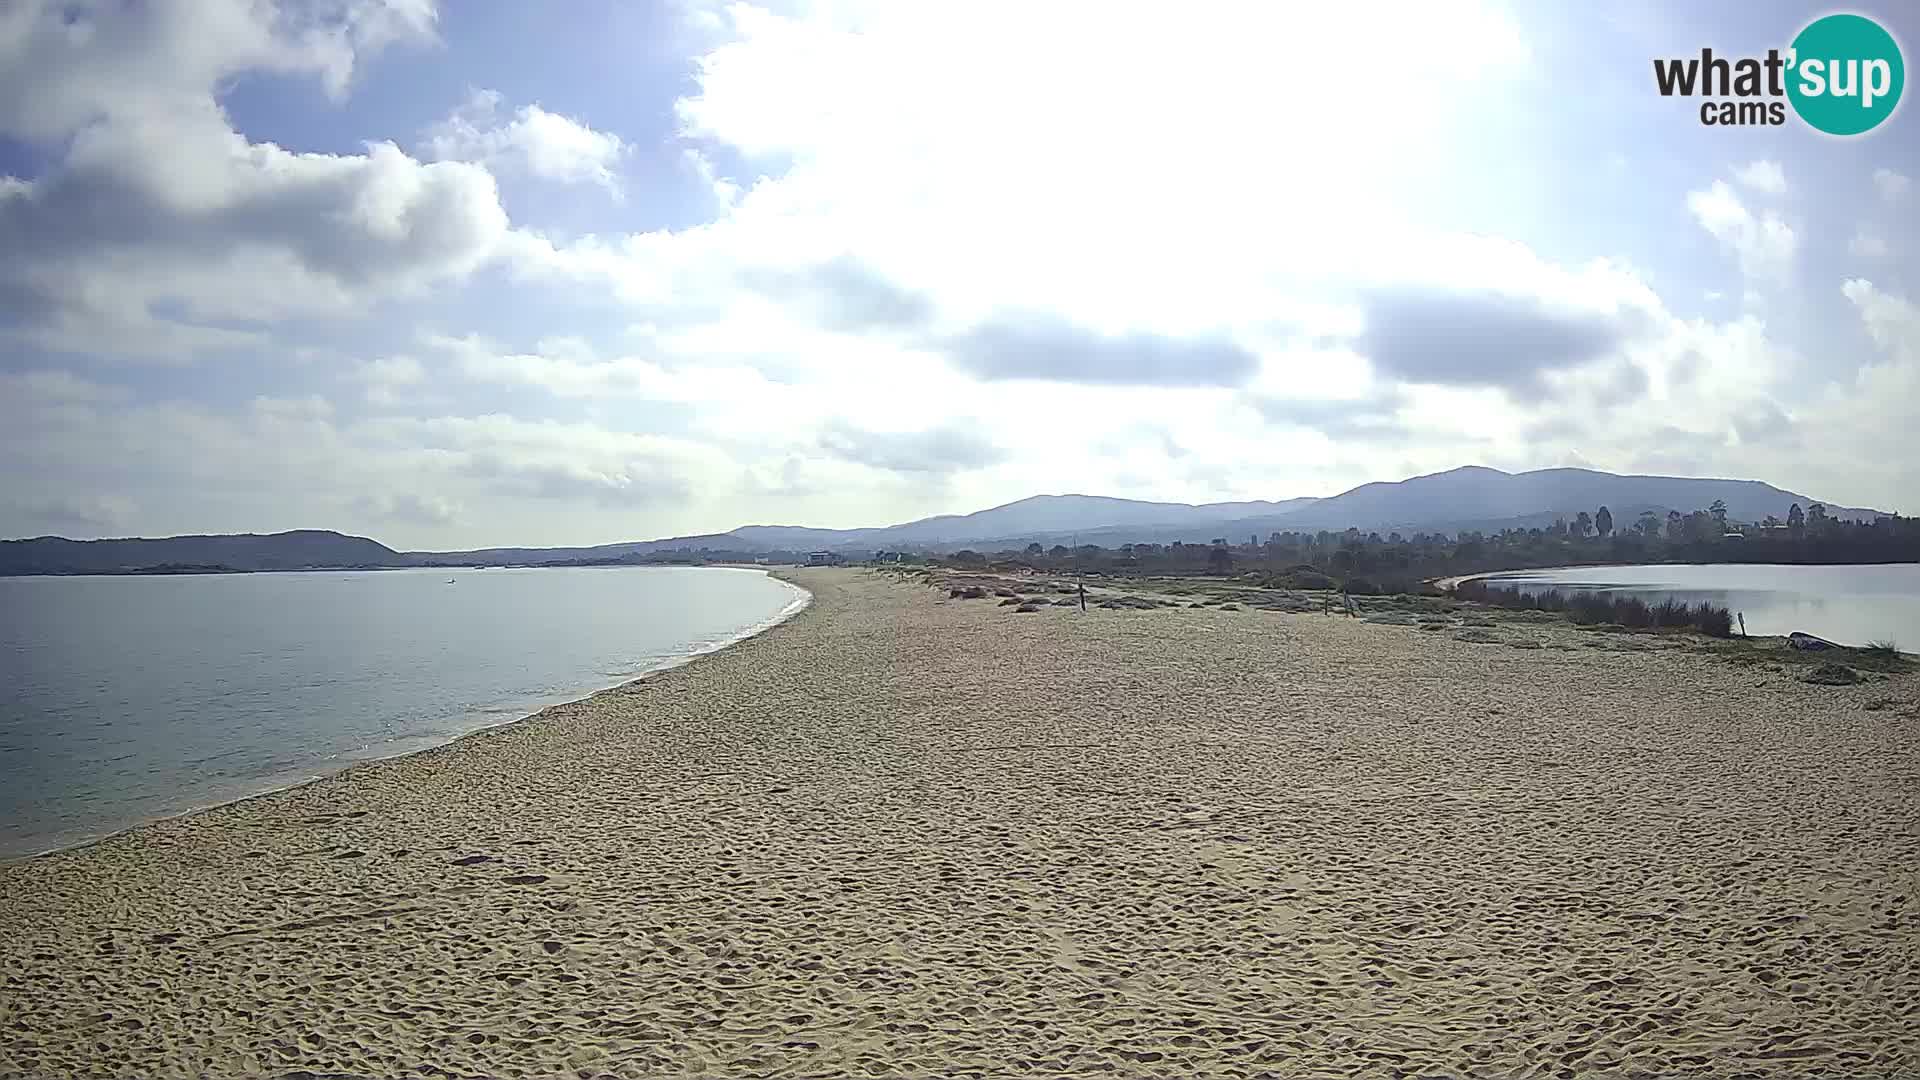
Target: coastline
(272,786)
(909,835)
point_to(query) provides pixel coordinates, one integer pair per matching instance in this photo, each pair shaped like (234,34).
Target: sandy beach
(906,835)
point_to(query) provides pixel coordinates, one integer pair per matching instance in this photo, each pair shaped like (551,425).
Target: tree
(1035,549)
(1676,526)
(1603,523)
(1796,518)
(1719,512)
(1058,551)
(1583,525)
(1817,516)
(1648,525)
(1700,526)
(1219,560)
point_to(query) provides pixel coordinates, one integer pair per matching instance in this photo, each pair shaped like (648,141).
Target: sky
(470,275)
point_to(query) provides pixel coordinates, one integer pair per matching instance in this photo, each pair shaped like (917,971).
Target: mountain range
(1471,497)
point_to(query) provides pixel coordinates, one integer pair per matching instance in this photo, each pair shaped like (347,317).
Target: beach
(902,834)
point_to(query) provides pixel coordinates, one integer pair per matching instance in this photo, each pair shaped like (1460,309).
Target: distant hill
(1472,497)
(1039,516)
(502,556)
(1474,493)
(296,550)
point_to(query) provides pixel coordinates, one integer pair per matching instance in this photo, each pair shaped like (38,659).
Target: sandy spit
(906,835)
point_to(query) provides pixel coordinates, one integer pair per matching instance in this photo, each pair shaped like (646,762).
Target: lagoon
(1852,605)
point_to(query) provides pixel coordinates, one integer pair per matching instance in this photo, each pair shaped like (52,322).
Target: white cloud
(156,202)
(54,388)
(932,451)
(65,64)
(1765,177)
(998,193)
(1764,243)
(68,515)
(571,368)
(554,460)
(288,462)
(1892,321)
(1269,299)
(532,140)
(389,380)
(1863,426)
(1891,185)
(408,508)
(1867,243)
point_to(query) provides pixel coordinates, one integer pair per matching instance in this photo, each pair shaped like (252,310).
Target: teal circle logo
(1846,74)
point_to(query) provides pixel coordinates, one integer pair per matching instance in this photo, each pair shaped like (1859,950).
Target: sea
(1850,605)
(126,699)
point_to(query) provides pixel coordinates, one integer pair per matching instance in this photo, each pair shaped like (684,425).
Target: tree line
(1397,561)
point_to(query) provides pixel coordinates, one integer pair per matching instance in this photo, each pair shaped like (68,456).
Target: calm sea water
(123,699)
(1852,605)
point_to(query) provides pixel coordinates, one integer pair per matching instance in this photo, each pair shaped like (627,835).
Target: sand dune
(903,835)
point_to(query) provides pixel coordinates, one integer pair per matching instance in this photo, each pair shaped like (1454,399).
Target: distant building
(819,558)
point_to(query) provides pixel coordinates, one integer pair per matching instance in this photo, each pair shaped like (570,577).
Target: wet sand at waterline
(903,835)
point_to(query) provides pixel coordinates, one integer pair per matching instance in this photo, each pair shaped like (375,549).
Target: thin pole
(1078,580)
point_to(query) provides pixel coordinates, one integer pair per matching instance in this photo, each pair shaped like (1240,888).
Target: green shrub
(1600,608)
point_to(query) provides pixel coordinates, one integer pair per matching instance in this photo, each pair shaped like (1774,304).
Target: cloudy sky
(483,275)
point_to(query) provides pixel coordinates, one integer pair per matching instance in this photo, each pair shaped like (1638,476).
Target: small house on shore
(819,558)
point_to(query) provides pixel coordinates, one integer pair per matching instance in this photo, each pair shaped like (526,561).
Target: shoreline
(1856,638)
(912,835)
(792,610)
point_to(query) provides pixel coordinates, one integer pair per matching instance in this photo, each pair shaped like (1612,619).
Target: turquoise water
(1853,605)
(131,698)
